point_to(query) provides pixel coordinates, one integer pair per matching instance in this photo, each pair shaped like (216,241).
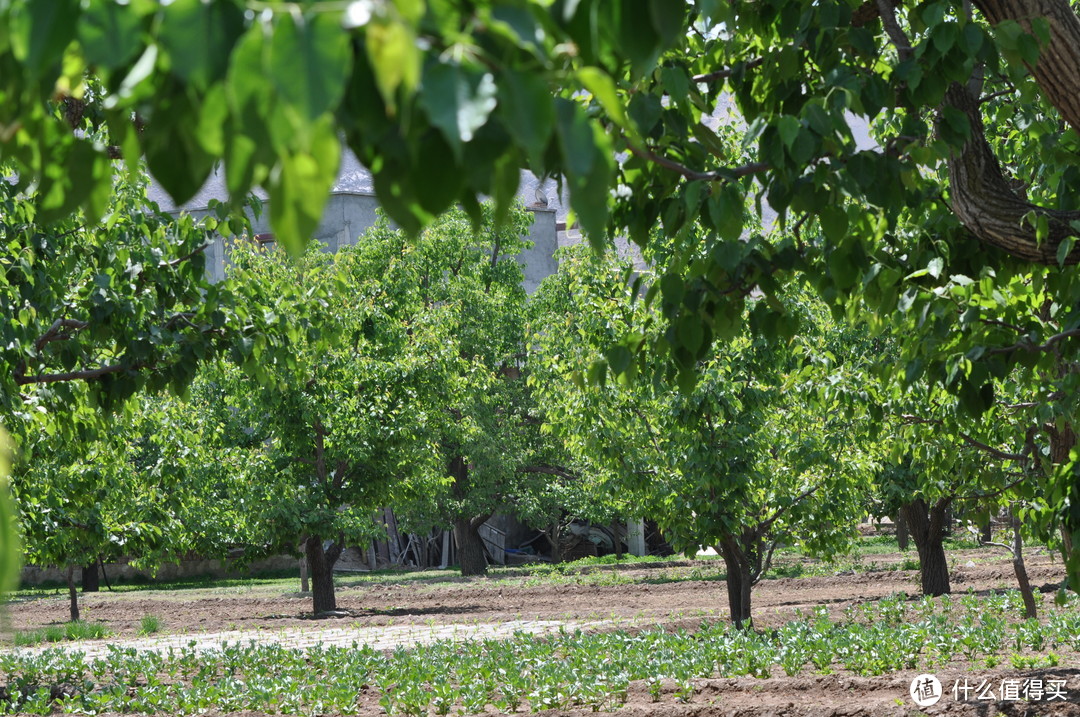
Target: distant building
(350,211)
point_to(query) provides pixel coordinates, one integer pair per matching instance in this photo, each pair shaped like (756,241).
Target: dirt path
(384,638)
(638,594)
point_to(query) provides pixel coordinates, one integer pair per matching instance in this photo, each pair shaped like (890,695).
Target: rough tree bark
(926,524)
(981,195)
(1058,69)
(91,578)
(1030,608)
(739,582)
(986,204)
(321,563)
(901,532)
(746,557)
(470,546)
(73,594)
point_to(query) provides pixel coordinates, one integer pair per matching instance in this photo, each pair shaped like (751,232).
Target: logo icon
(925,690)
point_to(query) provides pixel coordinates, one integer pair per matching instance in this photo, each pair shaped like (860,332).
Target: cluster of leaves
(559,671)
(736,458)
(444,103)
(152,488)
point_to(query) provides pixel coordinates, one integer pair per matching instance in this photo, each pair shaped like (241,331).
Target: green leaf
(1064,249)
(198,37)
(395,58)
(727,212)
(788,127)
(309,61)
(576,136)
(299,187)
(109,33)
(935,266)
(40,31)
(619,358)
(668,18)
(529,111)
(602,87)
(638,39)
(457,101)
(588,167)
(834,222)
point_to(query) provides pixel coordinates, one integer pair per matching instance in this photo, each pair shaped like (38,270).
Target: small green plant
(149,625)
(58,633)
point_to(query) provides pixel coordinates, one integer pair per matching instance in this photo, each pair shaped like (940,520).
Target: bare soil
(642,593)
(673,594)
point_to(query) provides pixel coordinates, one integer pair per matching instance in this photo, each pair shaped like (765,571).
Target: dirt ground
(642,594)
(673,594)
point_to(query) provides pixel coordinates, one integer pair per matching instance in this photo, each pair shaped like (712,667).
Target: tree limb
(985,203)
(729,71)
(550,470)
(54,332)
(1027,345)
(887,13)
(1057,71)
(767,524)
(971,442)
(694,175)
(84,375)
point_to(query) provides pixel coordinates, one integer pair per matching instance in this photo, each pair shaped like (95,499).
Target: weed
(57,633)
(149,625)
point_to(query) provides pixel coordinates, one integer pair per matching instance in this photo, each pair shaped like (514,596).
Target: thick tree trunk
(321,563)
(304,586)
(91,578)
(470,546)
(901,532)
(616,534)
(926,525)
(986,534)
(1058,68)
(73,594)
(740,581)
(554,536)
(986,204)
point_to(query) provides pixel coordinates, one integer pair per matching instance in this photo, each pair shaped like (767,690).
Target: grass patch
(149,625)
(59,633)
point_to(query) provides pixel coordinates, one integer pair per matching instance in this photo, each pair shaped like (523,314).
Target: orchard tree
(150,491)
(342,419)
(99,309)
(483,421)
(445,103)
(744,460)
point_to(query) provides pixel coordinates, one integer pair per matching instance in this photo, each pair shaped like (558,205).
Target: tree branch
(766,525)
(887,12)
(985,202)
(729,71)
(1026,344)
(971,442)
(694,175)
(198,250)
(54,332)
(84,375)
(550,470)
